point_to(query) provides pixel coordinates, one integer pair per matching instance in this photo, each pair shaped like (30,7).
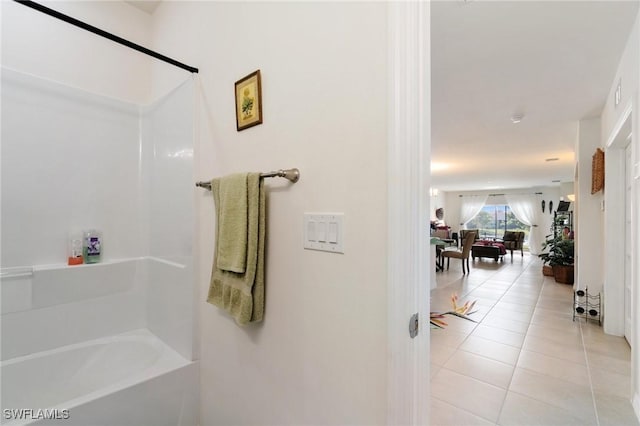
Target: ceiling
(552,62)
(148,6)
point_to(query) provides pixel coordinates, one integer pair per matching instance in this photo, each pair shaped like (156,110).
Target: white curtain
(470,207)
(524,208)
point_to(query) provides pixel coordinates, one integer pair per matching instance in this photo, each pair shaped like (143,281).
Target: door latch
(414,324)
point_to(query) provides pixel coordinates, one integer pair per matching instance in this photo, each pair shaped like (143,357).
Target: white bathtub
(128,379)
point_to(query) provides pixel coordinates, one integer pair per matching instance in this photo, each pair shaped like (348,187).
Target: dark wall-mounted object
(542,206)
(550,206)
(440,213)
(597,171)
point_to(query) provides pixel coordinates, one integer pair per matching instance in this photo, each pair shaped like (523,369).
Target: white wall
(320,356)
(628,74)
(589,229)
(46,47)
(627,77)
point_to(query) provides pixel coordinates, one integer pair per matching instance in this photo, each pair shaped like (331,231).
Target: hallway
(525,362)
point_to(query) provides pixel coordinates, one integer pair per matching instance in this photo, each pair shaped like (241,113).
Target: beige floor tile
(573,398)
(511,315)
(495,284)
(608,382)
(555,367)
(446,337)
(466,393)
(443,414)
(433,369)
(506,324)
(516,307)
(520,300)
(565,316)
(520,410)
(615,349)
(615,411)
(568,336)
(524,292)
(490,349)
(499,335)
(607,363)
(552,380)
(441,354)
(562,306)
(484,369)
(573,353)
(489,294)
(556,323)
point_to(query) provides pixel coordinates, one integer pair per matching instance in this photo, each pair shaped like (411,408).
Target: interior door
(628,288)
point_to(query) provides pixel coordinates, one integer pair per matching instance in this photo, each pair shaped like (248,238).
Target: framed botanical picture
(249,101)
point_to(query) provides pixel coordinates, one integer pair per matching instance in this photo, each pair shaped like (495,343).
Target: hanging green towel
(232,220)
(242,294)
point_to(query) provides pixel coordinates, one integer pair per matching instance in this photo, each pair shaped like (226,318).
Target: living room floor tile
(474,396)
(527,362)
(484,369)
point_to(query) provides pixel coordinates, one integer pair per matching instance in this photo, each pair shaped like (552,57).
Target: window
(494,220)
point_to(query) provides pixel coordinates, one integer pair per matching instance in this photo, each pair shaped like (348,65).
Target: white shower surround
(73,160)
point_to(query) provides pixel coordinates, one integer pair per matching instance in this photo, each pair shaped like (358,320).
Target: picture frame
(597,171)
(248,93)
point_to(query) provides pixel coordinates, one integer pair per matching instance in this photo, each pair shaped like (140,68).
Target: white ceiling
(148,6)
(552,61)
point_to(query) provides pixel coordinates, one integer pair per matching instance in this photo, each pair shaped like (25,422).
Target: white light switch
(311,231)
(333,232)
(324,232)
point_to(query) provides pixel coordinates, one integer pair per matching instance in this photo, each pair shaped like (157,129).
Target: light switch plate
(324,232)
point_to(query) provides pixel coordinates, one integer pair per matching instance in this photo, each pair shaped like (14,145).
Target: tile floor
(525,362)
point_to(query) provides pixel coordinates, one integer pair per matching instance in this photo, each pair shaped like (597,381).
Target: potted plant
(560,257)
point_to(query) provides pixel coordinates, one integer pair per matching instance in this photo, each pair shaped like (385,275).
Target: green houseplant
(560,256)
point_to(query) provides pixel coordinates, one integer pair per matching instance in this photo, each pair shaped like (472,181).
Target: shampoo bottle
(92,247)
(74,256)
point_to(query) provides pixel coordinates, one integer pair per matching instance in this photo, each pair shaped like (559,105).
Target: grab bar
(292,175)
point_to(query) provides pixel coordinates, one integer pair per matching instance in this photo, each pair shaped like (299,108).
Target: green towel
(242,294)
(232,220)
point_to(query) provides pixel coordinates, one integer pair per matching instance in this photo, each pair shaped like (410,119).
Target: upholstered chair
(464,232)
(513,240)
(463,254)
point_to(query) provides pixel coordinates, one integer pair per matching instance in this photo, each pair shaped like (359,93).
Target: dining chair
(462,254)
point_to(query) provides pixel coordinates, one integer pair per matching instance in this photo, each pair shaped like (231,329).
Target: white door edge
(408,171)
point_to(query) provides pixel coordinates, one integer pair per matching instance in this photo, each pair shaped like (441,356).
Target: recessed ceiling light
(551,159)
(516,118)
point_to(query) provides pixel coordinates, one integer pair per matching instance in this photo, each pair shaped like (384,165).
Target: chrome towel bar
(292,175)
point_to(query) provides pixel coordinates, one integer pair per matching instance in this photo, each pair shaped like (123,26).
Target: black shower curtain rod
(497,195)
(105,34)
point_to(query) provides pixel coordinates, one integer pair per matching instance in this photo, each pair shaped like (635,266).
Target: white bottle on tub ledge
(92,246)
(75,249)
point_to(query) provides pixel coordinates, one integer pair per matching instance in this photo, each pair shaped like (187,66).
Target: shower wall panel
(70,161)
